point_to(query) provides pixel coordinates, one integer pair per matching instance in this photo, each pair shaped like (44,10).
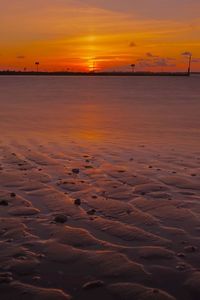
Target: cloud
(132,44)
(196,60)
(143,63)
(151,9)
(163,62)
(20,57)
(151,55)
(155,61)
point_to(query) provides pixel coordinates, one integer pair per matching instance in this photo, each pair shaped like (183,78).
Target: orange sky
(63,34)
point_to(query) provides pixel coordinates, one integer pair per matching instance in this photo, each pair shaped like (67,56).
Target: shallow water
(159,110)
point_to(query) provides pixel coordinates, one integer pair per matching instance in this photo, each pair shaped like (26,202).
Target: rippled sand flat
(133,234)
(99,188)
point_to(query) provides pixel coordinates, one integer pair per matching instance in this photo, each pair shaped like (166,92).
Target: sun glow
(91,65)
(79,35)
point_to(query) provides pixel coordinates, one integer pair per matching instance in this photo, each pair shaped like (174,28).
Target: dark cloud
(20,57)
(156,61)
(149,54)
(132,44)
(163,62)
(196,60)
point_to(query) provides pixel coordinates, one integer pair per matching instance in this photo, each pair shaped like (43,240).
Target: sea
(113,110)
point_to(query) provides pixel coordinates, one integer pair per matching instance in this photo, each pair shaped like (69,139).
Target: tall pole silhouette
(189,66)
(133,67)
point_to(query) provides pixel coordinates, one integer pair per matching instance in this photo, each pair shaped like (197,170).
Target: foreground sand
(134,236)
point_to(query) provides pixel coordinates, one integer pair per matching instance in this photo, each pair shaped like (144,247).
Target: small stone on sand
(93,284)
(91,212)
(60,219)
(181,255)
(77,201)
(5,277)
(75,171)
(4,203)
(190,249)
(36,278)
(181,267)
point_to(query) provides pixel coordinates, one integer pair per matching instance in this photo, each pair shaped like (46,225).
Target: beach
(99,188)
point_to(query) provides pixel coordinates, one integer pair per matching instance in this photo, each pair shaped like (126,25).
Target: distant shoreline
(32,73)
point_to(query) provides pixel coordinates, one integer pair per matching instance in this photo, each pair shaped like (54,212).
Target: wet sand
(99,188)
(87,222)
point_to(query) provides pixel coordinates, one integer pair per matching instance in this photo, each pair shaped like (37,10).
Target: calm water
(147,109)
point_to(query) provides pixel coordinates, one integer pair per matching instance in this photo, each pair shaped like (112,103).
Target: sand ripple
(134,228)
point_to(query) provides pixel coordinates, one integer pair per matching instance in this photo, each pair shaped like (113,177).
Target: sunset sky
(111,34)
